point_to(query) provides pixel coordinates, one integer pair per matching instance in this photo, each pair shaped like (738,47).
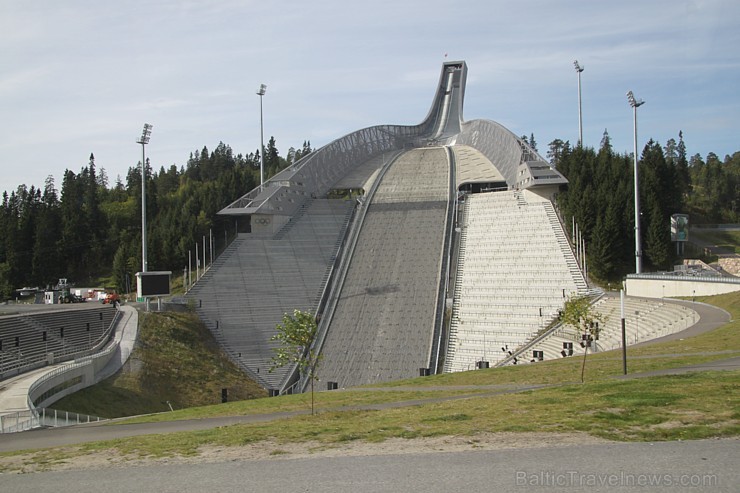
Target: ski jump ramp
(366,232)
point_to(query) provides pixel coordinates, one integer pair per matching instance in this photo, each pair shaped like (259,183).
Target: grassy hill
(543,398)
(175,359)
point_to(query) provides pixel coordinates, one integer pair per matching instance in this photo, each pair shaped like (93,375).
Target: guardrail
(672,276)
(43,417)
(444,281)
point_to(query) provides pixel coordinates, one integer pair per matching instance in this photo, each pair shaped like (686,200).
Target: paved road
(702,465)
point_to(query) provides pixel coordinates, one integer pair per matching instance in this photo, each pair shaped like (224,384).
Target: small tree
(295,337)
(580,314)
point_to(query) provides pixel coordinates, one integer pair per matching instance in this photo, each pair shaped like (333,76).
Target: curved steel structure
(444,125)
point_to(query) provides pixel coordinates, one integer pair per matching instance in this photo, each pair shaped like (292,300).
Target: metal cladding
(318,172)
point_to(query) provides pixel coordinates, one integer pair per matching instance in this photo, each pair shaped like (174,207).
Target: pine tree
(606,243)
(606,143)
(74,239)
(93,218)
(25,234)
(47,256)
(658,239)
(682,169)
(272,158)
(556,148)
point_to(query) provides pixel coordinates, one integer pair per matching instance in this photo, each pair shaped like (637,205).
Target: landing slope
(384,322)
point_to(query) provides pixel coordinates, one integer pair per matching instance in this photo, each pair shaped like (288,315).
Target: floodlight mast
(261,92)
(144,140)
(579,68)
(635,103)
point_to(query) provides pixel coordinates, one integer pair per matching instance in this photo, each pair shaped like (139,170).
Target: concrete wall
(90,369)
(86,369)
(670,287)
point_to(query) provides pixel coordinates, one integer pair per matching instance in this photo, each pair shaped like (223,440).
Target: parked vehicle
(111,298)
(71,298)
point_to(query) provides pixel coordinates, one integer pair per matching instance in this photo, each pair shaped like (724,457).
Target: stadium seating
(514,272)
(645,319)
(34,338)
(249,288)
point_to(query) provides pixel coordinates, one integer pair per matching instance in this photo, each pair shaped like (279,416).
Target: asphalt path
(701,465)
(710,318)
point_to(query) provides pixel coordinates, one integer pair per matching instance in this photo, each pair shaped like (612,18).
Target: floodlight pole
(579,69)
(635,103)
(261,92)
(144,140)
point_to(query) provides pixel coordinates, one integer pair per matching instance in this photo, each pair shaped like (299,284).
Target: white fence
(42,417)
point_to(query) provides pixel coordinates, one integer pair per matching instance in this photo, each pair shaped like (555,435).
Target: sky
(83,76)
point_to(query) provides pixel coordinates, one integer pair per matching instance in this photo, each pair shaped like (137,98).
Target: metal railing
(42,417)
(444,281)
(674,276)
(547,333)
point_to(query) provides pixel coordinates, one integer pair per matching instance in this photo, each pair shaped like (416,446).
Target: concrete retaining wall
(671,286)
(69,379)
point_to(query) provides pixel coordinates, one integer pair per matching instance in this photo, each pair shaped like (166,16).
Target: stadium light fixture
(636,103)
(579,69)
(261,92)
(144,140)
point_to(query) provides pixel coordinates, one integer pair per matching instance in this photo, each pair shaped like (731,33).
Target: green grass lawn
(687,406)
(691,406)
(175,360)
(724,239)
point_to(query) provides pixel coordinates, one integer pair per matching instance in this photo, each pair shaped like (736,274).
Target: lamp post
(144,140)
(635,103)
(579,69)
(261,92)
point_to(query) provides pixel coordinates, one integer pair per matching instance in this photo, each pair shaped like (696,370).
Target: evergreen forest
(89,230)
(600,197)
